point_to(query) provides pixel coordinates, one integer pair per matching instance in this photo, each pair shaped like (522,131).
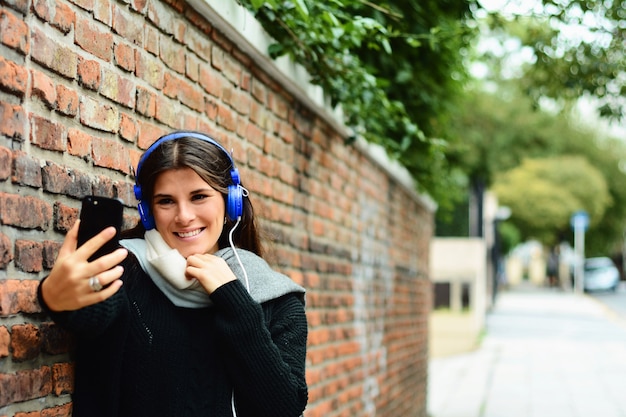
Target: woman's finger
(69,243)
(92,245)
(211,271)
(105,278)
(106,262)
(93,295)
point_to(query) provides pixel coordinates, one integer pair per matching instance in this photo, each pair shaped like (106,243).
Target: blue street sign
(580,220)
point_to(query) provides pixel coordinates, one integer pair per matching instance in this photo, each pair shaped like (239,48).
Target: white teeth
(189,234)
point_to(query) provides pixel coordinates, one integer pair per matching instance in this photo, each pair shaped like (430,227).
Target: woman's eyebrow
(193,192)
(202,190)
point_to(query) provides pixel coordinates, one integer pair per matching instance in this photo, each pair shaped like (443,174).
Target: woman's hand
(211,271)
(68,285)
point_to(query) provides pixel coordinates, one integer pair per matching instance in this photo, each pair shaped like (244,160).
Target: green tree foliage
(606,237)
(544,193)
(578,49)
(395,67)
(495,132)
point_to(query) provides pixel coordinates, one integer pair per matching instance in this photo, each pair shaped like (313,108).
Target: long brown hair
(213,166)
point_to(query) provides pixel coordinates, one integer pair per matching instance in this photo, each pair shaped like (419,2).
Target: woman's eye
(198,197)
(164,201)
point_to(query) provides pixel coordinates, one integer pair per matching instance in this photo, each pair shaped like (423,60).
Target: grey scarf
(265,283)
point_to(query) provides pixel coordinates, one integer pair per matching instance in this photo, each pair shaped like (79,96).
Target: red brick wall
(86,85)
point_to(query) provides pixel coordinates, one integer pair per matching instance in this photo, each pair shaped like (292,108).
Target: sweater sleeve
(265,349)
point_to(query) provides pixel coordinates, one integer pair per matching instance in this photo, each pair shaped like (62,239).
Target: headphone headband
(178,135)
(234,202)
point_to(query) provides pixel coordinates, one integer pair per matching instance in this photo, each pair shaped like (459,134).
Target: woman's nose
(185,213)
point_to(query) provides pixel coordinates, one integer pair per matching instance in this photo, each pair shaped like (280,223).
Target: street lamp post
(502,214)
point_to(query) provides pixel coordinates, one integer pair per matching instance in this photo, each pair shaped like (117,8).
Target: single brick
(79,143)
(166,112)
(64,217)
(13,77)
(67,101)
(63,378)
(63,18)
(102,11)
(146,102)
(29,255)
(25,342)
(26,170)
(13,121)
(226,118)
(89,74)
(25,212)
(47,134)
(50,252)
(128,128)
(124,56)
(60,17)
(191,96)
(43,88)
(14,32)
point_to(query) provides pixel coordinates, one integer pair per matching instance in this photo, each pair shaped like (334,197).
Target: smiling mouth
(189,234)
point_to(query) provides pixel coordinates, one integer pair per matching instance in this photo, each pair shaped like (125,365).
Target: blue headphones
(234,202)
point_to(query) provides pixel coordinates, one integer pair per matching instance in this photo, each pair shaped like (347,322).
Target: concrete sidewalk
(546,353)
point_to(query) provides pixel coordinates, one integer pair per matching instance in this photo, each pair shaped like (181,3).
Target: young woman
(186,319)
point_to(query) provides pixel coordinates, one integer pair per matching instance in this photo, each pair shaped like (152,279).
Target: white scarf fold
(169,262)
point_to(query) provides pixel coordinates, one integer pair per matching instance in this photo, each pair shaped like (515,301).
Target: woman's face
(188,212)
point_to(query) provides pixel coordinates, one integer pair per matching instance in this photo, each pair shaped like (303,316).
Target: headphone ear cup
(234,203)
(144,213)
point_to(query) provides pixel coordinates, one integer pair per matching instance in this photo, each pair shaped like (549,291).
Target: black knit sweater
(138,354)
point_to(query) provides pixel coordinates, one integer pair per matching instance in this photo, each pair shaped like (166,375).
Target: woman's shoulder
(286,311)
(263,282)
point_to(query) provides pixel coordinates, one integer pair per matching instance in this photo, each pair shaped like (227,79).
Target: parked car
(601,274)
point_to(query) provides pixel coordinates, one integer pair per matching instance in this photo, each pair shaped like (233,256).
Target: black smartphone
(96,214)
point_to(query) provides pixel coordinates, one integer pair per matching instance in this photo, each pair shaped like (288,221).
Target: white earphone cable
(232,245)
(245,275)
